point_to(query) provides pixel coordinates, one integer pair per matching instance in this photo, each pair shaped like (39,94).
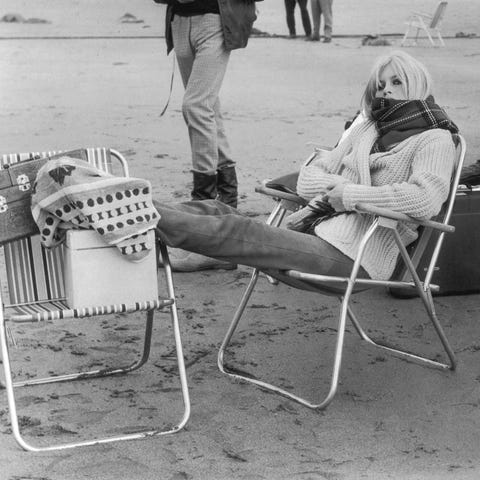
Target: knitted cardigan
(413,177)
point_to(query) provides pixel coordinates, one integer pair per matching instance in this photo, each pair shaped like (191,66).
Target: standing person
(202,33)
(319,8)
(290,11)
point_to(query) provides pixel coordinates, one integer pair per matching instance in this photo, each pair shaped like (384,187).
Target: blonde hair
(415,78)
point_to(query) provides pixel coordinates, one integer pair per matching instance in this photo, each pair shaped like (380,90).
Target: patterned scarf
(396,120)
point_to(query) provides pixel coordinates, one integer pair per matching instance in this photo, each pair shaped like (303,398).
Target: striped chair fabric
(35,274)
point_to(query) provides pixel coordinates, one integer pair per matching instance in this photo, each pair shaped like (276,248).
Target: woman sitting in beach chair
(400,157)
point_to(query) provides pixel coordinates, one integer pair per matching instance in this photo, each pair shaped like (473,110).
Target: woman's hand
(334,196)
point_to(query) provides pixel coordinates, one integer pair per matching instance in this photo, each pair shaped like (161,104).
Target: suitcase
(458,267)
(16,182)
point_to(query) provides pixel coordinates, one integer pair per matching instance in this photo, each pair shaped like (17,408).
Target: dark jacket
(237,20)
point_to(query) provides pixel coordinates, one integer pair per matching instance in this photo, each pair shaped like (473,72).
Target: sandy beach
(88,79)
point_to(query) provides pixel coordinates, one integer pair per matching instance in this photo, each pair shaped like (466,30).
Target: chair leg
(234,373)
(416,36)
(427,299)
(177,337)
(133,436)
(9,385)
(276,218)
(104,372)
(440,38)
(396,351)
(430,37)
(233,326)
(338,346)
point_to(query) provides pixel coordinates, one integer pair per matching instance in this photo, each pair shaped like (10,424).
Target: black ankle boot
(204,186)
(227,186)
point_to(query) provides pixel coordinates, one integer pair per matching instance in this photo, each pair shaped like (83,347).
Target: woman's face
(390,86)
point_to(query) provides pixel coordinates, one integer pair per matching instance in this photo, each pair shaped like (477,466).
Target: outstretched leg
(214,229)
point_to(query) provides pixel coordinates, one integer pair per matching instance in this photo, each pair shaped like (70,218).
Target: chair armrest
(384,212)
(272,192)
(422,14)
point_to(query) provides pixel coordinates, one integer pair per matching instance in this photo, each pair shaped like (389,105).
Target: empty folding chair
(430,24)
(344,287)
(34,292)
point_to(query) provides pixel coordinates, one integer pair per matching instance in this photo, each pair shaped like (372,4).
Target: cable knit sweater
(413,177)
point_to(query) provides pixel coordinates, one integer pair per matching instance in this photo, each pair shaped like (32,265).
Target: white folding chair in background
(430,24)
(34,292)
(344,287)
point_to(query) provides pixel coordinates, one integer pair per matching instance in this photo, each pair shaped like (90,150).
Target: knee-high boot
(227,186)
(204,186)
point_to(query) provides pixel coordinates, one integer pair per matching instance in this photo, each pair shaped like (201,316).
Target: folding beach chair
(34,286)
(430,24)
(344,287)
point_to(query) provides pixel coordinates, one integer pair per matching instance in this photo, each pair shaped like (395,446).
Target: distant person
(202,33)
(290,11)
(319,8)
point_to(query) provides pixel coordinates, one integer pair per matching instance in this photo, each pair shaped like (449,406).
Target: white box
(97,274)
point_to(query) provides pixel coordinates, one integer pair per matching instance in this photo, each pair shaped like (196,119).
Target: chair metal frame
(430,24)
(55,307)
(381,218)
